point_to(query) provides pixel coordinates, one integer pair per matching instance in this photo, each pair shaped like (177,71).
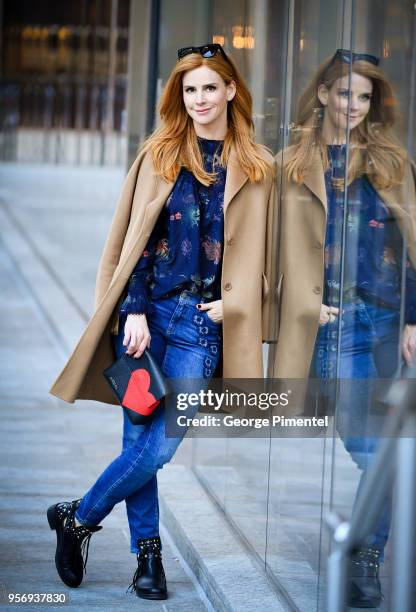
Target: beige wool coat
(301,237)
(246,270)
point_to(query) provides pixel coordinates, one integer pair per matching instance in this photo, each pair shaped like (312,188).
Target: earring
(319,115)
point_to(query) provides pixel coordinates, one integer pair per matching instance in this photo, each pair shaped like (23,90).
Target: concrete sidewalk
(50,450)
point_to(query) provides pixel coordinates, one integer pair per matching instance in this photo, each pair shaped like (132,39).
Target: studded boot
(364,589)
(149,580)
(72,542)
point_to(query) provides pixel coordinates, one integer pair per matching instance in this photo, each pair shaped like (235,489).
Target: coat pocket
(265,287)
(278,308)
(271,310)
(279,291)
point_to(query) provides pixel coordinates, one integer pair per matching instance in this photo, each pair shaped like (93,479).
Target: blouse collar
(210,147)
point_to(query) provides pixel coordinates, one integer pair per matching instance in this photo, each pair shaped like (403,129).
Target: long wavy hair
(374,150)
(174,143)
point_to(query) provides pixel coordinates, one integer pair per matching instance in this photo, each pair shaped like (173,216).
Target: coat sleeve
(269,314)
(117,233)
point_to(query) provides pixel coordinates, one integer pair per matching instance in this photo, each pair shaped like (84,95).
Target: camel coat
(247,260)
(301,231)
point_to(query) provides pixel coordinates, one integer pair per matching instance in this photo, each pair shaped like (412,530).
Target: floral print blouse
(373,244)
(184,251)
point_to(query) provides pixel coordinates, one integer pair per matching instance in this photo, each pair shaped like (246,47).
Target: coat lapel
(315,179)
(144,224)
(236,178)
(155,206)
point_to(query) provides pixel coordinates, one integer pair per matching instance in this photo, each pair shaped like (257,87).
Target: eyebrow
(204,85)
(347,89)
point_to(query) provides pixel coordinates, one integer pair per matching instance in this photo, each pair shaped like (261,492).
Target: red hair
(374,150)
(174,143)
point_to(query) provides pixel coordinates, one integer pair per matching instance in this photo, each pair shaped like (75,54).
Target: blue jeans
(186,344)
(369,349)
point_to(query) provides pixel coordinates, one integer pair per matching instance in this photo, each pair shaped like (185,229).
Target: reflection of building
(63,92)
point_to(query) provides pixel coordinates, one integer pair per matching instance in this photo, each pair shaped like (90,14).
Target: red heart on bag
(137,396)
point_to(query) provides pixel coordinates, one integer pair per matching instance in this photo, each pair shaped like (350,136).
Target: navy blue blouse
(373,247)
(185,248)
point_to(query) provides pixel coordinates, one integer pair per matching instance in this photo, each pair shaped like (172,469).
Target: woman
(189,229)
(346,215)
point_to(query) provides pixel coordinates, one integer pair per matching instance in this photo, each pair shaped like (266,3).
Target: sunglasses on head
(348,57)
(205,50)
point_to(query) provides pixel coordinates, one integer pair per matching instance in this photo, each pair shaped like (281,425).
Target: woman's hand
(136,334)
(328,314)
(409,343)
(214,310)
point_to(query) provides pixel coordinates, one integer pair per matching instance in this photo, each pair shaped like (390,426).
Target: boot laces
(132,587)
(82,533)
(85,545)
(147,547)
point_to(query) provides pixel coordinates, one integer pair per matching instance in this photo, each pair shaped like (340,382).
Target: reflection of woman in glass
(341,248)
(194,207)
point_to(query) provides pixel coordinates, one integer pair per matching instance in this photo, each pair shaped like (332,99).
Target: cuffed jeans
(369,349)
(186,344)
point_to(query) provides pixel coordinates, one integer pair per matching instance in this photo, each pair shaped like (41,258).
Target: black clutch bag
(138,384)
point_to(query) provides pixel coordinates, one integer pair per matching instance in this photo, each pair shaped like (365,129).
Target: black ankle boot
(72,542)
(149,580)
(364,589)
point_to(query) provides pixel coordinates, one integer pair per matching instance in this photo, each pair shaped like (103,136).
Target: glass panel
(377,275)
(300,478)
(277,491)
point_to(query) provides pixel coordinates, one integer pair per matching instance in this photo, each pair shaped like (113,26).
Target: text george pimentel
(262,401)
(232,421)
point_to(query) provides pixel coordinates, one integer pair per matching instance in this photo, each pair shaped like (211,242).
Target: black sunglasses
(204,50)
(348,57)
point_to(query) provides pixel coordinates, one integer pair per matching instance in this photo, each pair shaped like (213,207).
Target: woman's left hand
(409,343)
(214,310)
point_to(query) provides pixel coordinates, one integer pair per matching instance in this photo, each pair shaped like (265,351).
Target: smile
(202,110)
